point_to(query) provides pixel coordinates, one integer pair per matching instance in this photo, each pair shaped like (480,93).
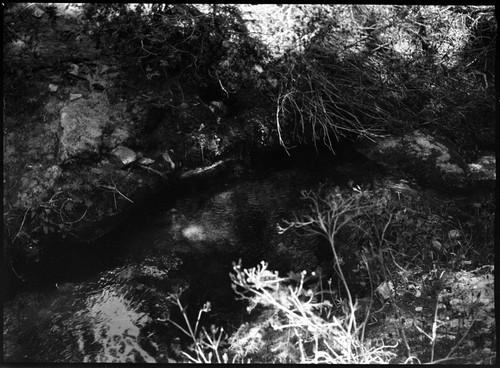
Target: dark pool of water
(109,301)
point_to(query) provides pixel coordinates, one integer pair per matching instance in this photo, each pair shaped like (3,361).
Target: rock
(146,161)
(74,70)
(123,155)
(258,68)
(385,290)
(167,158)
(454,234)
(82,123)
(437,245)
(484,168)
(74,96)
(434,163)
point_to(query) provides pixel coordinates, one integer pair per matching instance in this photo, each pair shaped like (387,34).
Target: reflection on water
(116,325)
(103,321)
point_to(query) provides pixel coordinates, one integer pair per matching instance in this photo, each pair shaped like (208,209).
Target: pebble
(146,161)
(124,154)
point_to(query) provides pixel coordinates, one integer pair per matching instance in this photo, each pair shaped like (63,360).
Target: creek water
(110,301)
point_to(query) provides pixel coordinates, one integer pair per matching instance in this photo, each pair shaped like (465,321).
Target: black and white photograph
(248,183)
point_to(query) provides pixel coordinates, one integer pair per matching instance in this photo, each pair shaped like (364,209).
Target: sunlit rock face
(432,162)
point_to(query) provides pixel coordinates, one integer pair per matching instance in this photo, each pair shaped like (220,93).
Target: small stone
(385,290)
(73,70)
(124,155)
(53,87)
(419,309)
(74,96)
(167,158)
(486,352)
(454,234)
(258,68)
(437,245)
(146,161)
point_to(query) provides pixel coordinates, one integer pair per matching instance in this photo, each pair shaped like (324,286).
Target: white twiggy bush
(308,320)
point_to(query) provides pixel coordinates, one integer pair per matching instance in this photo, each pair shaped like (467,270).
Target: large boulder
(82,123)
(432,162)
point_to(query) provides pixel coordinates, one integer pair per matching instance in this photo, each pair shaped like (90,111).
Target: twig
(124,196)
(152,170)
(434,328)
(278,125)
(17,275)
(115,189)
(52,198)
(221,86)
(72,222)
(422,331)
(22,224)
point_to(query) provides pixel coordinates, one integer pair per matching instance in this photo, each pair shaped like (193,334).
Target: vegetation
(194,41)
(308,319)
(334,70)
(368,70)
